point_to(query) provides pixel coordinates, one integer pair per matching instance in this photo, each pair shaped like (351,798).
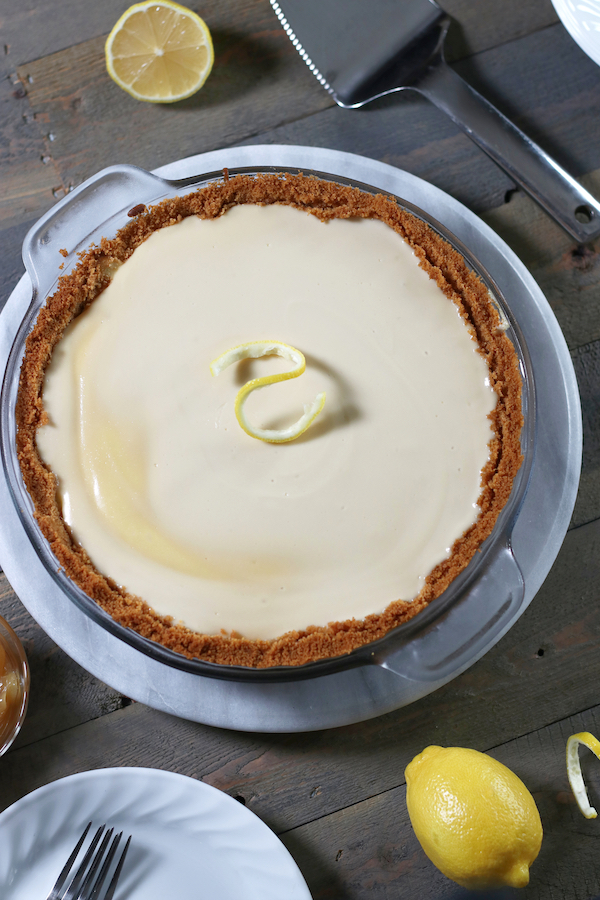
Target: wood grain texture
(338,796)
(540,243)
(11,263)
(370,850)
(490,23)
(55,138)
(543,82)
(27,174)
(586,360)
(258,80)
(63,694)
(532,678)
(568,275)
(362,847)
(32,30)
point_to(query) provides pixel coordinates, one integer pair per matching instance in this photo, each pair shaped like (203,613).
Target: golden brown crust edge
(325,200)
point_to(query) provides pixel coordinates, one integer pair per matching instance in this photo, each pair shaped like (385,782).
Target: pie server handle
(70,223)
(469,628)
(521,158)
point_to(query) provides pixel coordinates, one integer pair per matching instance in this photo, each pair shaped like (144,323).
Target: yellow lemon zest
(574,769)
(159,52)
(254,350)
(474,818)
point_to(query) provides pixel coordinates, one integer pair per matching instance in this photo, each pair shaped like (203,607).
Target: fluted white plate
(581,18)
(189,840)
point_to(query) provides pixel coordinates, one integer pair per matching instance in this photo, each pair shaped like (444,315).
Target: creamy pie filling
(184,528)
(217,530)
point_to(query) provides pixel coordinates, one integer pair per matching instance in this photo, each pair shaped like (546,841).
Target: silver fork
(86,882)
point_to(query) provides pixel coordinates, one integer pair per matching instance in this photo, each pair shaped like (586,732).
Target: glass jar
(14,685)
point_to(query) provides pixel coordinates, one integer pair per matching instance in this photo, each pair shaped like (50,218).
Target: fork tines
(86,882)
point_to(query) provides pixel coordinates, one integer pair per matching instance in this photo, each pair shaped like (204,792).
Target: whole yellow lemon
(474,818)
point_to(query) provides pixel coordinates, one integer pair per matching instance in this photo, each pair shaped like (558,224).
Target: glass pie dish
(483,598)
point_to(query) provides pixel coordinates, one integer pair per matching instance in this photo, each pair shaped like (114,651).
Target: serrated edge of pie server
(296,43)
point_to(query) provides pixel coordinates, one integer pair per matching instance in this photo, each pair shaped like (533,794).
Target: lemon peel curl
(254,350)
(574,769)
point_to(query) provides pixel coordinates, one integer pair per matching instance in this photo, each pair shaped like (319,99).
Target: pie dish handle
(467,630)
(105,196)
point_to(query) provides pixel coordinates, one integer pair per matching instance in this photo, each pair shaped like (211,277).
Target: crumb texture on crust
(325,200)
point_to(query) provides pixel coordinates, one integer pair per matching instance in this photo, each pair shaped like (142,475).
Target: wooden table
(337,798)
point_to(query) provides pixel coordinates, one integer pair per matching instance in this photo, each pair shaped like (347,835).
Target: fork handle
(521,158)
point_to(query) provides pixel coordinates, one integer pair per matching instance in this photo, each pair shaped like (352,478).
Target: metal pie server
(360,50)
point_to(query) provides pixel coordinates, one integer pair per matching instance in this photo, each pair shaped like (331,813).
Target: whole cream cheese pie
(236,550)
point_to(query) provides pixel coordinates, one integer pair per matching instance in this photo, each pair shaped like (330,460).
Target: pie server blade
(362,49)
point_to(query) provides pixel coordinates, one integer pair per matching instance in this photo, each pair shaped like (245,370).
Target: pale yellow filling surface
(174,501)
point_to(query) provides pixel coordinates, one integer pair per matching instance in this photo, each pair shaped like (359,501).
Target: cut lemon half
(159,51)
(574,769)
(254,350)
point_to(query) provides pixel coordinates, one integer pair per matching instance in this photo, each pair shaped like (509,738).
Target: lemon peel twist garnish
(574,769)
(254,350)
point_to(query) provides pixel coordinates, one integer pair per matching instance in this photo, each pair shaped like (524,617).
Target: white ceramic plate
(581,18)
(189,840)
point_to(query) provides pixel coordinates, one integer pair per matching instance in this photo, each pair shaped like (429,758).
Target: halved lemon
(159,51)
(253,350)
(574,769)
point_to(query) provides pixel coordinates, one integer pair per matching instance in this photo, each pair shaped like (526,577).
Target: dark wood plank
(11,262)
(28,174)
(370,850)
(568,275)
(33,30)
(489,23)
(586,360)
(29,178)
(530,232)
(63,694)
(405,130)
(543,82)
(366,848)
(259,82)
(337,796)
(545,669)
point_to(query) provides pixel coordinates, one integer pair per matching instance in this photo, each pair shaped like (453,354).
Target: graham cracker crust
(325,200)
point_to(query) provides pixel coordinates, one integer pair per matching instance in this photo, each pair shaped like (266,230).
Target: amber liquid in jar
(13,686)
(10,688)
